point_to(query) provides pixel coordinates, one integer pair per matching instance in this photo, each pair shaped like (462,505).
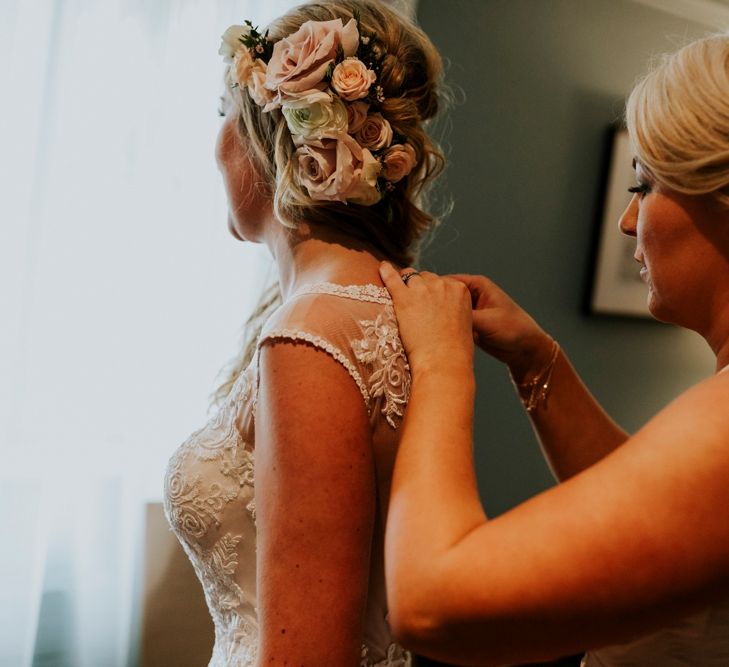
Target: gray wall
(542,80)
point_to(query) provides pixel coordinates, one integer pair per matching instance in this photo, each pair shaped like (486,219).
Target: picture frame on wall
(617,288)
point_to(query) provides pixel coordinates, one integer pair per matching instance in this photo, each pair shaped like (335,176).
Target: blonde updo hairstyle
(410,77)
(678,119)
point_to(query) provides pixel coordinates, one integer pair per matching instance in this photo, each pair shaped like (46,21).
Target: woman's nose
(629,217)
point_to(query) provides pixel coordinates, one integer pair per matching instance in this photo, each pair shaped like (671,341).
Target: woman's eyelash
(221,113)
(641,189)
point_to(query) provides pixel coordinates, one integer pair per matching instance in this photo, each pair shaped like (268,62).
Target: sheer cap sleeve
(356,326)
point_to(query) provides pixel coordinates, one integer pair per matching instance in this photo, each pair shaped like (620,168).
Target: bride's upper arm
(315,504)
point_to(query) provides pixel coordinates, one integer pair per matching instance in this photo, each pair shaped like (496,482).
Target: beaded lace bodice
(209,486)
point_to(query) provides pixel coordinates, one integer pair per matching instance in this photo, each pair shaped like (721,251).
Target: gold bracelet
(535,392)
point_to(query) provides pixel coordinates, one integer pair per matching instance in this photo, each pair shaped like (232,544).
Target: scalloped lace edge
(369,292)
(322,343)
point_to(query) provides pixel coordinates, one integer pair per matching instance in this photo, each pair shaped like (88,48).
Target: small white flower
(231,41)
(365,40)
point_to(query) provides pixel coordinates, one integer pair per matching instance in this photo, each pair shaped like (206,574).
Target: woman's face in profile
(248,206)
(678,247)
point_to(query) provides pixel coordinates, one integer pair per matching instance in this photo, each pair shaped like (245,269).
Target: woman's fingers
(482,289)
(393,280)
(433,313)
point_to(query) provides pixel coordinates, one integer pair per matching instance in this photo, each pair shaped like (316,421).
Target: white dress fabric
(209,494)
(699,640)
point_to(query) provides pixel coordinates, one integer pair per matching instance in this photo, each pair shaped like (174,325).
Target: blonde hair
(678,119)
(411,78)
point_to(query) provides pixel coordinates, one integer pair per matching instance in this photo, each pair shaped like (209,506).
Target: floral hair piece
(324,79)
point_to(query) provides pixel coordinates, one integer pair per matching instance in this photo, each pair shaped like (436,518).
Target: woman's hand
(434,318)
(504,330)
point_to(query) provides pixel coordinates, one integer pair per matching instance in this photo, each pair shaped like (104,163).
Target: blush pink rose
(352,80)
(375,133)
(356,116)
(337,168)
(300,61)
(398,161)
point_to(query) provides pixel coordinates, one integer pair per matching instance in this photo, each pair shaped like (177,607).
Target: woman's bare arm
(633,542)
(636,541)
(572,428)
(315,500)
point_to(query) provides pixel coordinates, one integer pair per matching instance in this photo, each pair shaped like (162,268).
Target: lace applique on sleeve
(381,349)
(326,346)
(356,325)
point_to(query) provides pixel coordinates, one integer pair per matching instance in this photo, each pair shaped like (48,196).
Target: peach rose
(300,61)
(352,80)
(398,161)
(337,168)
(242,66)
(375,132)
(257,84)
(356,115)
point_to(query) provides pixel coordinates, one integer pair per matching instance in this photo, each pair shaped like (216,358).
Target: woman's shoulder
(331,309)
(357,327)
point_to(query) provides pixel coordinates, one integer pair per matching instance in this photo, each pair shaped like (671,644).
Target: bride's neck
(312,254)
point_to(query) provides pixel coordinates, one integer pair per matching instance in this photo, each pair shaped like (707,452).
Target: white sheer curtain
(121,295)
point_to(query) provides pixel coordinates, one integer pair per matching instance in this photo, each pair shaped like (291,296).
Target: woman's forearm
(573,429)
(435,500)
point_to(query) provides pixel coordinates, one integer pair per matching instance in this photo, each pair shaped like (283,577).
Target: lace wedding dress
(699,640)
(209,486)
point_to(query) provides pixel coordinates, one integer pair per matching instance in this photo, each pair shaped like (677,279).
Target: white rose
(316,114)
(352,80)
(231,41)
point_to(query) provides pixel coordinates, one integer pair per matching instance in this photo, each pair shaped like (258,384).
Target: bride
(279,501)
